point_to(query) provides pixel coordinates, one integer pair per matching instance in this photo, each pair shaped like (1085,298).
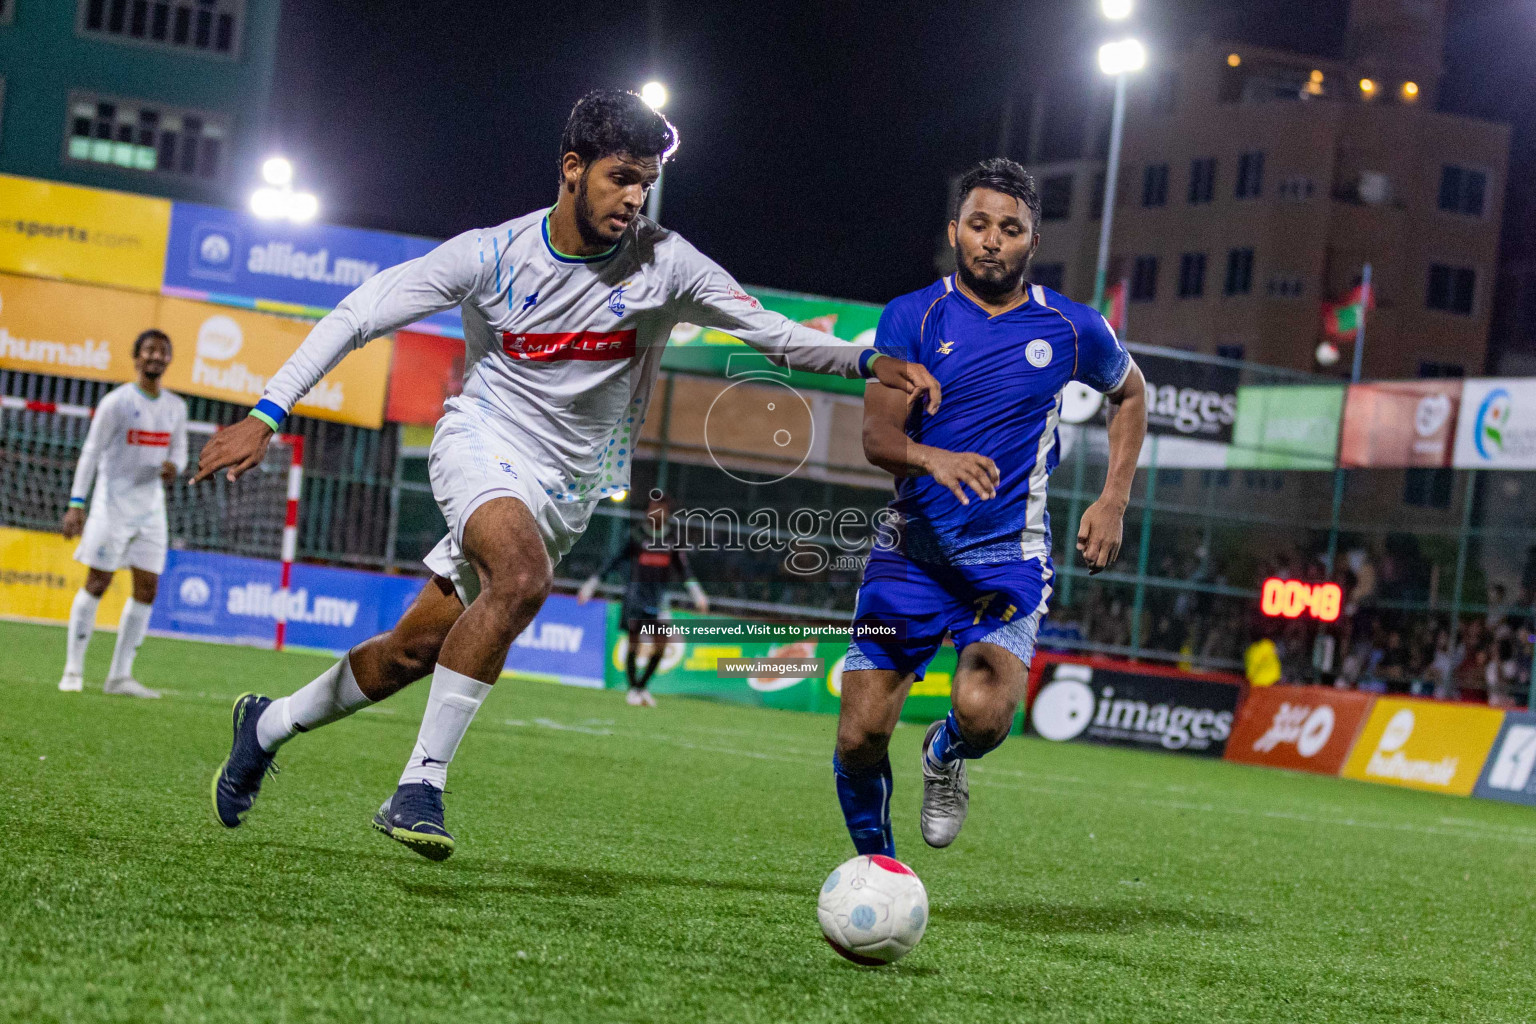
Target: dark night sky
(817,138)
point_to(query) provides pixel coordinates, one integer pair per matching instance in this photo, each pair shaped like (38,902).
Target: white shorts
(109,545)
(470,463)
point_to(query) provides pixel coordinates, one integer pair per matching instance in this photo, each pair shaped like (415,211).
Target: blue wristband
(866,360)
(269,413)
(77,503)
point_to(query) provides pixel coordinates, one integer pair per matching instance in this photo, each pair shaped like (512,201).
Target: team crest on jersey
(1038,352)
(616,299)
(505,465)
(945,347)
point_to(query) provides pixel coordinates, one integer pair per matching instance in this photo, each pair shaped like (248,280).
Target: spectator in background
(1261,662)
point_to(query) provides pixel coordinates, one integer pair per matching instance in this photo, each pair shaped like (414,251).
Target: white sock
(330,697)
(130,634)
(451,707)
(82,623)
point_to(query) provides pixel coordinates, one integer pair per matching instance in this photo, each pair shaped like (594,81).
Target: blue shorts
(999,604)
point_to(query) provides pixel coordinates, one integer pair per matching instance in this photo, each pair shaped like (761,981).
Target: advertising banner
(1498,424)
(82,234)
(1508,774)
(428,369)
(39,578)
(693,668)
(73,330)
(1189,399)
(1400,423)
(695,349)
(1305,728)
(1127,705)
(1424,745)
(1286,427)
(237,600)
(231,353)
(235,258)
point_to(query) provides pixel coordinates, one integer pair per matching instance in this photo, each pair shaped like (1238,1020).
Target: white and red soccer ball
(873,910)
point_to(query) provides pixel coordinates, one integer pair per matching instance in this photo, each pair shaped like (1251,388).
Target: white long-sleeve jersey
(561,351)
(130,438)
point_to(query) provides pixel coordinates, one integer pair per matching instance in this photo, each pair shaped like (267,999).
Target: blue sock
(866,800)
(948,745)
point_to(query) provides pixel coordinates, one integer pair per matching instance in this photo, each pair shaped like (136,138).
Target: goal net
(256,516)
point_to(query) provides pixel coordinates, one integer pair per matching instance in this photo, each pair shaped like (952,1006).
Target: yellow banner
(39,577)
(1424,745)
(231,353)
(83,234)
(72,330)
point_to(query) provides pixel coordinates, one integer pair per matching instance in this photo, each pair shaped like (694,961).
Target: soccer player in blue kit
(966,548)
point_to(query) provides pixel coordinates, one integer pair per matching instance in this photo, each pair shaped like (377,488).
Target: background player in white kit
(566,313)
(136,445)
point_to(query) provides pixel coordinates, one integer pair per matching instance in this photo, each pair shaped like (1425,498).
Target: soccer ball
(873,910)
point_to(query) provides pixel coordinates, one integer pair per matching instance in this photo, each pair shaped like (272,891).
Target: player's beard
(992,289)
(586,222)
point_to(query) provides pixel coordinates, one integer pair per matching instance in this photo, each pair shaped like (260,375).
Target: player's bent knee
(984,723)
(859,746)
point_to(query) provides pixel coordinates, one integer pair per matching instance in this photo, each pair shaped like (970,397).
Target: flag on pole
(1341,320)
(1113,306)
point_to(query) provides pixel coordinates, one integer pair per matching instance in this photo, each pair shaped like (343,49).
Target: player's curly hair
(1001,175)
(609,121)
(145,336)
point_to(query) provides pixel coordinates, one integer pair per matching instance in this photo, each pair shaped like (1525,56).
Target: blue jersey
(1002,378)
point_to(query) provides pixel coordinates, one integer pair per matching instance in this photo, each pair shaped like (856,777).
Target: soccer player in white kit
(136,445)
(566,313)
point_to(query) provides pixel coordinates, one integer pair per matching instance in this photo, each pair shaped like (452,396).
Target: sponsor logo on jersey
(741,296)
(587,346)
(616,299)
(530,302)
(945,347)
(150,438)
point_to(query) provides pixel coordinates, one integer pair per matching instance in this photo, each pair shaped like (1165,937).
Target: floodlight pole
(653,200)
(1354,378)
(1111,179)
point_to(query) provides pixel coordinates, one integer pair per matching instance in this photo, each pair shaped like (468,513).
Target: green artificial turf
(626,864)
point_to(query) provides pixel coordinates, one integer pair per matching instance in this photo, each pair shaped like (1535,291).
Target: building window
(1144,279)
(1154,185)
(1250,175)
(203,26)
(1439,371)
(1202,180)
(1049,275)
(1463,191)
(1192,275)
(145,137)
(1232,352)
(5,11)
(1451,288)
(1297,189)
(1165,92)
(1096,208)
(1239,272)
(1284,286)
(1056,197)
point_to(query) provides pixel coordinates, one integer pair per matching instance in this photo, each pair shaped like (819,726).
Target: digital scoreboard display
(1292,599)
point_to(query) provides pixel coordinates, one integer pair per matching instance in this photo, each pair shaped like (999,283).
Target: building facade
(1255,184)
(164,97)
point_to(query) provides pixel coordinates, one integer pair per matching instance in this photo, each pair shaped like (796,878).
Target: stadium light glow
(1234,60)
(1117,10)
(277,171)
(276,200)
(1367,86)
(654,94)
(1410,91)
(1122,57)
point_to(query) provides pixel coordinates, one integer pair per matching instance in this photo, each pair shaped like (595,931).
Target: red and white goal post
(40,443)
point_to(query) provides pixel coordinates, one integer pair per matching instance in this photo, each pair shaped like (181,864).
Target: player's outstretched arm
(887,445)
(237,449)
(1103,524)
